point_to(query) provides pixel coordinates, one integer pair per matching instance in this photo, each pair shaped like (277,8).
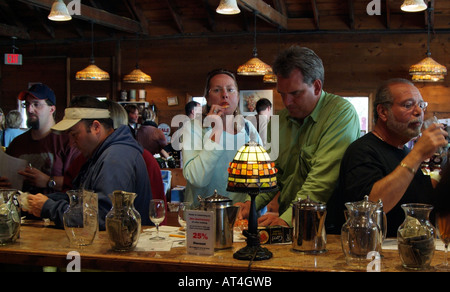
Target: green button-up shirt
(310,153)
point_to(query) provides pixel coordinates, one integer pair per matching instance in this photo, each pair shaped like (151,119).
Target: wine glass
(182,208)
(427,124)
(443,225)
(157,214)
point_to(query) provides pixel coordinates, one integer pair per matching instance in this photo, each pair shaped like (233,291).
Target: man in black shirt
(380,165)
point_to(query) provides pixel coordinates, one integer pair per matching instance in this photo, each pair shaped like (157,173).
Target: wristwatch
(51,183)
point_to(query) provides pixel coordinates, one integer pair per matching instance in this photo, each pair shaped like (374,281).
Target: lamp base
(253,251)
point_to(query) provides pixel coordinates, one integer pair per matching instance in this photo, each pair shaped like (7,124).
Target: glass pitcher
(9,216)
(361,235)
(81,218)
(123,221)
(416,237)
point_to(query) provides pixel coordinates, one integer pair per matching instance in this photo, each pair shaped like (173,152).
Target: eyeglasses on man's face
(410,105)
(34,104)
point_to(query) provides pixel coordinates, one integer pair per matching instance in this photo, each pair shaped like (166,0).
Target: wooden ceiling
(122,19)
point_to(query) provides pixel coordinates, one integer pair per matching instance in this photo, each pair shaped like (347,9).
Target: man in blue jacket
(114,162)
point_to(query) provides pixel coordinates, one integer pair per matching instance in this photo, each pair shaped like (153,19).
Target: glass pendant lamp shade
(413,6)
(270,77)
(137,76)
(427,70)
(92,73)
(59,12)
(228,7)
(253,67)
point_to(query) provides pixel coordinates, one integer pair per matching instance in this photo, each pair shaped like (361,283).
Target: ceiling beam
(137,10)
(45,24)
(351,14)
(20,30)
(388,15)
(98,16)
(176,16)
(265,12)
(280,5)
(14,31)
(210,14)
(316,13)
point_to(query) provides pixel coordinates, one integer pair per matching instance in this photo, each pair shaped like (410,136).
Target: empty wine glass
(443,225)
(157,214)
(182,208)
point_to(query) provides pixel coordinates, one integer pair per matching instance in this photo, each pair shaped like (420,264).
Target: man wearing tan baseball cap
(113,161)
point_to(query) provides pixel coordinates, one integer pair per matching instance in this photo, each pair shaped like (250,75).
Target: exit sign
(13,59)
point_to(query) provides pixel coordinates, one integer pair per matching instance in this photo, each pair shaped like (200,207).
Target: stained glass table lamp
(252,172)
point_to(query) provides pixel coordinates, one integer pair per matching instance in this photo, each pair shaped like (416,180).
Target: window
(201,100)
(23,112)
(361,104)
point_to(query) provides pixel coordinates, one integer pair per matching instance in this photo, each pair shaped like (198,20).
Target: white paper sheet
(9,166)
(145,244)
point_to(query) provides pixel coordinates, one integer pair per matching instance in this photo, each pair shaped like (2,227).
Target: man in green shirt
(315,129)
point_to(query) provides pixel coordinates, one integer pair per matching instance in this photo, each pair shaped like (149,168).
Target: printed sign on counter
(200,232)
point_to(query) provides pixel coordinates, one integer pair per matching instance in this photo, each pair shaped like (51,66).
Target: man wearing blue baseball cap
(48,154)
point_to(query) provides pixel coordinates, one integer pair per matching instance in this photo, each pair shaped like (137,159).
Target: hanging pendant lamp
(270,77)
(92,72)
(137,76)
(428,70)
(228,7)
(413,6)
(59,11)
(254,66)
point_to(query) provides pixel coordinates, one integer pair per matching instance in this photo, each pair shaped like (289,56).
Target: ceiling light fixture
(92,72)
(228,7)
(254,66)
(413,6)
(428,70)
(270,77)
(137,76)
(59,11)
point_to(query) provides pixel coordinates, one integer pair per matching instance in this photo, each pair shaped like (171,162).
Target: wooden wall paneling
(355,64)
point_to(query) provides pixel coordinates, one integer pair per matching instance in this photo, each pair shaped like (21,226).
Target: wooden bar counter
(43,245)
